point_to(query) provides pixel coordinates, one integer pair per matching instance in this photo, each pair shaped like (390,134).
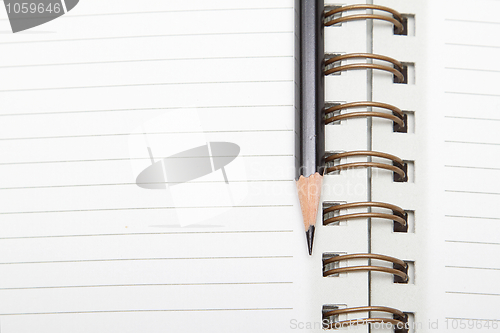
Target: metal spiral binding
(398,215)
(397,116)
(333,214)
(400,267)
(396,19)
(399,320)
(398,166)
(396,69)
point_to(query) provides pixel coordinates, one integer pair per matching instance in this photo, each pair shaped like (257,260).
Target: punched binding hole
(401,129)
(396,176)
(331,111)
(404,269)
(408,22)
(400,227)
(329,64)
(404,22)
(327,310)
(408,321)
(404,71)
(331,265)
(330,213)
(335,16)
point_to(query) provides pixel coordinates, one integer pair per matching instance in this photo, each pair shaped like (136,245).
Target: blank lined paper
(472,163)
(93,98)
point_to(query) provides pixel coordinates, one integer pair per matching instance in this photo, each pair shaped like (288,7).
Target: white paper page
(453,246)
(89,101)
(472,163)
(462,124)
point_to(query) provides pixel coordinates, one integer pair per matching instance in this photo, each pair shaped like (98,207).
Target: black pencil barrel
(312,132)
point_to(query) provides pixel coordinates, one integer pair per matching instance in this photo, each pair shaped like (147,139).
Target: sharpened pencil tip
(310,238)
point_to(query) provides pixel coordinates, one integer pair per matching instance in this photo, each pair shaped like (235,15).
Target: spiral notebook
(95,102)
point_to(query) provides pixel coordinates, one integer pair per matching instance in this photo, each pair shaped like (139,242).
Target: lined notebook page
(472,161)
(90,100)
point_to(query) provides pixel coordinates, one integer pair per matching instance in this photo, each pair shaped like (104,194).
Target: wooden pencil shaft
(312,133)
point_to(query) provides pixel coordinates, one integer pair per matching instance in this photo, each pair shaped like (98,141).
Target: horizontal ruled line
(139,310)
(142,60)
(139,259)
(145,133)
(150,36)
(473,69)
(474,45)
(472,118)
(181,11)
(473,217)
(471,93)
(471,21)
(174,11)
(151,234)
(145,85)
(119,160)
(474,143)
(145,109)
(136,208)
(470,293)
(470,167)
(472,192)
(151,285)
(470,242)
(135,184)
(476,319)
(481,268)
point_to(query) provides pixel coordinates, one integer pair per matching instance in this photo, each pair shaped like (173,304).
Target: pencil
(310,126)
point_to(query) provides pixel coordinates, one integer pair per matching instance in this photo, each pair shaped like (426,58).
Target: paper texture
(89,101)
